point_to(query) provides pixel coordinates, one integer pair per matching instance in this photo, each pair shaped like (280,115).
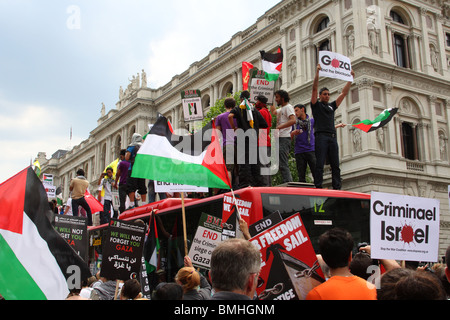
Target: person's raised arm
(344,91)
(315,89)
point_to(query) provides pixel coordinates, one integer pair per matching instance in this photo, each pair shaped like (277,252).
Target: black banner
(122,250)
(74,231)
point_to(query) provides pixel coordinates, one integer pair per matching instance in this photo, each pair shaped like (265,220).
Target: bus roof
(176,203)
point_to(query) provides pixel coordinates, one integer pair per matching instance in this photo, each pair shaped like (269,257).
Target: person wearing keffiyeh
(304,148)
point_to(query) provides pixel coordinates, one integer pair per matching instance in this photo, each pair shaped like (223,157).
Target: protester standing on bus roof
(228,138)
(325,131)
(285,119)
(78,187)
(134,184)
(304,150)
(107,182)
(121,180)
(264,143)
(250,121)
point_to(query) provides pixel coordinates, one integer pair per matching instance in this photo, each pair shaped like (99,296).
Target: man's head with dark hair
(229,103)
(80,172)
(245,95)
(283,94)
(324,95)
(336,247)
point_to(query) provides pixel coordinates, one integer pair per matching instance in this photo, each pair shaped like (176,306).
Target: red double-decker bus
(320,209)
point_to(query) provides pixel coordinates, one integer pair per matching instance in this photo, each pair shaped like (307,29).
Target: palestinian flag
(246,106)
(195,160)
(272,63)
(34,258)
(152,247)
(380,121)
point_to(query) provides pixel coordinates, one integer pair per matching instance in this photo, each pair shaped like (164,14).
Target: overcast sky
(59,60)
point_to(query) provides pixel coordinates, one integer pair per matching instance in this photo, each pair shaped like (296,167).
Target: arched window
(396,17)
(323,24)
(400,40)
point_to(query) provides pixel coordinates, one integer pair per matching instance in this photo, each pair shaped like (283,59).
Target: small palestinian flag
(152,247)
(245,106)
(380,121)
(36,263)
(272,63)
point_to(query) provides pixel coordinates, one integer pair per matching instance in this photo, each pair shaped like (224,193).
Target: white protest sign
(259,86)
(51,190)
(207,237)
(192,105)
(335,65)
(404,227)
(174,187)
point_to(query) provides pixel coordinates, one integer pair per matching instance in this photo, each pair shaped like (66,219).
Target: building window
(396,17)
(409,141)
(323,24)
(447,36)
(400,51)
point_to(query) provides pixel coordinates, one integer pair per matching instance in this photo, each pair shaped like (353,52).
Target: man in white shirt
(285,119)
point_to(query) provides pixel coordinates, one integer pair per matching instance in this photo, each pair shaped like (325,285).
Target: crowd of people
(236,265)
(247,152)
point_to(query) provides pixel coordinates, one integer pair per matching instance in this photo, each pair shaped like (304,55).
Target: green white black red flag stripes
(199,164)
(35,259)
(378,122)
(272,63)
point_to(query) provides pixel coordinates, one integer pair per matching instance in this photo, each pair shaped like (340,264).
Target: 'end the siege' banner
(289,266)
(404,227)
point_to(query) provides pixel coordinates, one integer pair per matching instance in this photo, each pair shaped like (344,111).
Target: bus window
(322,213)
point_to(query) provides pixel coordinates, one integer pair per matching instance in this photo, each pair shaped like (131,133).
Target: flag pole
(237,207)
(184,224)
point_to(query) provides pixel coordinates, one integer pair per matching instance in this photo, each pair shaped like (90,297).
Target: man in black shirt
(325,131)
(247,142)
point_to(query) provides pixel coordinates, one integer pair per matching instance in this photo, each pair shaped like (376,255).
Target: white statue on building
(144,79)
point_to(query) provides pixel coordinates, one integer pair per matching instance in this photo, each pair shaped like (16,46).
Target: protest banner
(335,65)
(192,105)
(289,266)
(265,223)
(206,238)
(74,230)
(122,250)
(176,187)
(404,227)
(259,86)
(233,209)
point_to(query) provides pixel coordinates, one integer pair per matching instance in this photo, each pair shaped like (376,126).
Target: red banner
(246,67)
(289,266)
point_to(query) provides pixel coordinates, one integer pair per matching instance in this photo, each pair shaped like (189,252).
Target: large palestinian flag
(378,122)
(272,63)
(195,160)
(34,258)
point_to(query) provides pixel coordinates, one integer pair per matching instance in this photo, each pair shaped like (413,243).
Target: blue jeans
(285,148)
(327,148)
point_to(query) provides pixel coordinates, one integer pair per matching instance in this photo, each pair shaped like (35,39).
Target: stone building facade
(400,52)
